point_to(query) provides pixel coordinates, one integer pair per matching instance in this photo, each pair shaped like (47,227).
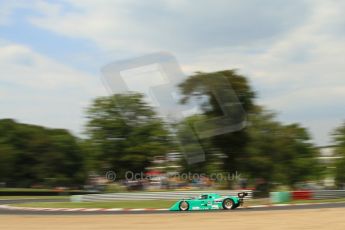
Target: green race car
(209,201)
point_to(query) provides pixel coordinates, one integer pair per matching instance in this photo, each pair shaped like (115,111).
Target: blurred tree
(279,153)
(33,155)
(231,145)
(212,161)
(125,133)
(265,149)
(339,139)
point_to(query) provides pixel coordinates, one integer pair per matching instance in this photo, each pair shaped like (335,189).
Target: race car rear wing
(241,196)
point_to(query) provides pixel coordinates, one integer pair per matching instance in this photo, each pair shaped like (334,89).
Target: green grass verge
(106,204)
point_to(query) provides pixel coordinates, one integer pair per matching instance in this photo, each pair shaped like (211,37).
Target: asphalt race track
(243,209)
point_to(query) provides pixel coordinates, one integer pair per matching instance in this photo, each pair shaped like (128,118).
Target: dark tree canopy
(125,133)
(34,155)
(265,148)
(279,153)
(339,139)
(201,84)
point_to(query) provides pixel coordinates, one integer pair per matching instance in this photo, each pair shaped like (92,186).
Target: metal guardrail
(328,194)
(175,195)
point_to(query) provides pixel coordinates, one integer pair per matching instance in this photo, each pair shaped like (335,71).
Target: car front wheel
(184,206)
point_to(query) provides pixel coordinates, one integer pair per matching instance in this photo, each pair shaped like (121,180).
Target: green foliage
(280,153)
(125,133)
(202,84)
(111,188)
(232,145)
(33,155)
(265,149)
(339,139)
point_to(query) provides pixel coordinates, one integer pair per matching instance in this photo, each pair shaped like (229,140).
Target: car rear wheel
(228,204)
(184,206)
(236,205)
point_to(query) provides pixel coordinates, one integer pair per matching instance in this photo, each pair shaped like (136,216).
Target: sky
(293,53)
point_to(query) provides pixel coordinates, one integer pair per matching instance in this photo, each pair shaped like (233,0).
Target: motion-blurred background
(60,131)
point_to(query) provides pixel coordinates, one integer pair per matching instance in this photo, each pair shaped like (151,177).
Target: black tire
(228,204)
(183,206)
(236,205)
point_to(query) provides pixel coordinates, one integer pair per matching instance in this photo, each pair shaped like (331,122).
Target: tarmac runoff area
(316,218)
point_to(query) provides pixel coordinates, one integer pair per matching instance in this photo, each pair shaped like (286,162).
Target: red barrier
(302,195)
